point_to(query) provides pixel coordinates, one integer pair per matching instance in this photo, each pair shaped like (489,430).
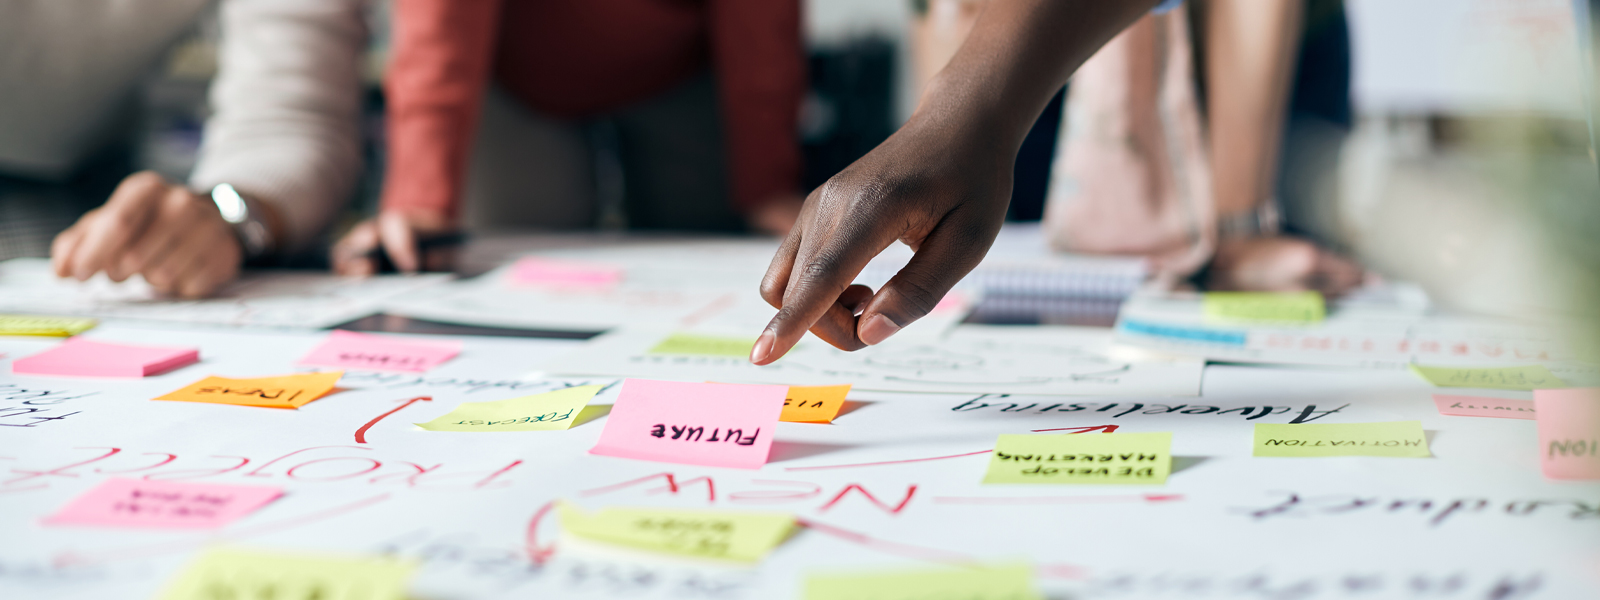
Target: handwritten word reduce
(1434,511)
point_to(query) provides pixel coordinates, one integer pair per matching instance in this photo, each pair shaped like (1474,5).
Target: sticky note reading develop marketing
(1279,307)
(1136,458)
(163,504)
(970,583)
(43,326)
(241,574)
(813,403)
(711,424)
(533,270)
(351,350)
(1395,438)
(286,391)
(728,535)
(540,412)
(78,357)
(1508,378)
(692,344)
(1478,406)
(1569,432)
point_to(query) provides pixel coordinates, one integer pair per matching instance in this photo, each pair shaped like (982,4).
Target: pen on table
(424,245)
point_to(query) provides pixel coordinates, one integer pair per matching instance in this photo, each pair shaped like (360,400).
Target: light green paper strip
(233,573)
(693,344)
(1263,307)
(1507,378)
(45,326)
(743,536)
(975,583)
(1403,439)
(540,412)
(1103,458)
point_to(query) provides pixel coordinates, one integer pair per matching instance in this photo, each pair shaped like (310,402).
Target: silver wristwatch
(1263,221)
(244,215)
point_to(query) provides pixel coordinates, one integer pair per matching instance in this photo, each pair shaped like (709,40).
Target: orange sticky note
(284,391)
(813,403)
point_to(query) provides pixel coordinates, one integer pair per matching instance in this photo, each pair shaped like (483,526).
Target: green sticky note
(744,536)
(1507,378)
(1137,458)
(233,573)
(43,325)
(1395,438)
(971,583)
(694,344)
(1263,307)
(540,412)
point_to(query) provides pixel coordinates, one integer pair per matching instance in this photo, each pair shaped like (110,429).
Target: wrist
(1261,220)
(254,223)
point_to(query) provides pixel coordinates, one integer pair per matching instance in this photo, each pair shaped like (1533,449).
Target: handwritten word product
(1478,406)
(744,536)
(966,583)
(710,424)
(1508,378)
(1569,432)
(44,326)
(237,573)
(163,504)
(78,357)
(1107,458)
(533,270)
(351,350)
(284,391)
(1396,438)
(1271,307)
(540,412)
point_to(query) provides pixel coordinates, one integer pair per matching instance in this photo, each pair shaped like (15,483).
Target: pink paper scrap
(163,504)
(543,271)
(1569,432)
(1479,406)
(78,357)
(351,350)
(710,424)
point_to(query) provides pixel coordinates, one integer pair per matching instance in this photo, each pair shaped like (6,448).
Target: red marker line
(1056,499)
(361,434)
(538,554)
(888,462)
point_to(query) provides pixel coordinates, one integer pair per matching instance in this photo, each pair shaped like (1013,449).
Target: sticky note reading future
(78,357)
(972,583)
(1478,406)
(693,344)
(285,391)
(1279,307)
(533,270)
(1569,432)
(727,535)
(351,350)
(1507,378)
(234,573)
(163,504)
(540,412)
(1105,458)
(710,424)
(1395,438)
(43,326)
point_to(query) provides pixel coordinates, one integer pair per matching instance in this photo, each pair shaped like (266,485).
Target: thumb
(944,257)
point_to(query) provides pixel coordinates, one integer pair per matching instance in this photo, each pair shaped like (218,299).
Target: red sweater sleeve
(757,54)
(434,87)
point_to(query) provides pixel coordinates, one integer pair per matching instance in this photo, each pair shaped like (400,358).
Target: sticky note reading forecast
(692,344)
(351,350)
(163,504)
(710,424)
(970,583)
(1569,432)
(1403,439)
(1269,307)
(43,326)
(744,536)
(1102,458)
(78,357)
(233,573)
(1508,378)
(540,412)
(286,391)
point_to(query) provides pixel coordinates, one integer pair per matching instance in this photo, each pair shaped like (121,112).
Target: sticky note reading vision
(163,504)
(972,583)
(285,391)
(743,536)
(235,573)
(78,357)
(1136,458)
(1507,378)
(710,424)
(540,412)
(693,344)
(1569,432)
(351,350)
(1395,438)
(1279,307)
(1478,406)
(813,403)
(533,270)
(43,326)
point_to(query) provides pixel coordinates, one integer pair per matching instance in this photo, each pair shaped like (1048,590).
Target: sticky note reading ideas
(78,357)
(968,583)
(1508,378)
(728,535)
(1269,307)
(241,574)
(287,391)
(1569,432)
(540,412)
(351,350)
(43,326)
(1137,458)
(1395,438)
(163,504)
(710,424)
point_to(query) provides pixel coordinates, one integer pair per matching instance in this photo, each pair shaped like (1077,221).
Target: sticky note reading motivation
(1271,307)
(43,326)
(1137,458)
(813,403)
(1478,406)
(973,583)
(286,391)
(1508,378)
(233,573)
(728,535)
(691,344)
(710,424)
(351,350)
(540,412)
(533,270)
(79,357)
(1396,438)
(1569,432)
(163,504)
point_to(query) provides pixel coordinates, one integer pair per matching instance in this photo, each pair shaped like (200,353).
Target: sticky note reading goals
(43,326)
(744,536)
(351,350)
(1106,458)
(540,412)
(1270,307)
(693,344)
(1507,378)
(232,573)
(1403,439)
(966,583)
(286,391)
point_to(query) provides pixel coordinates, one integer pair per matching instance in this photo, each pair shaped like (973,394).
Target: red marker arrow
(361,434)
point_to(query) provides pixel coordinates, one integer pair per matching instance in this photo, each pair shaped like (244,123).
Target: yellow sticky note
(234,573)
(1506,378)
(694,344)
(743,536)
(1272,307)
(1136,458)
(813,403)
(284,391)
(43,325)
(540,412)
(1395,438)
(972,583)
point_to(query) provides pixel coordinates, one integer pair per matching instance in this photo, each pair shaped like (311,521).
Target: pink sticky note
(1479,406)
(711,424)
(351,350)
(78,357)
(543,271)
(163,504)
(1569,432)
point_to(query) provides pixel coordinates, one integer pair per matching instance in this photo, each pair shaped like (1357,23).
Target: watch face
(229,203)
